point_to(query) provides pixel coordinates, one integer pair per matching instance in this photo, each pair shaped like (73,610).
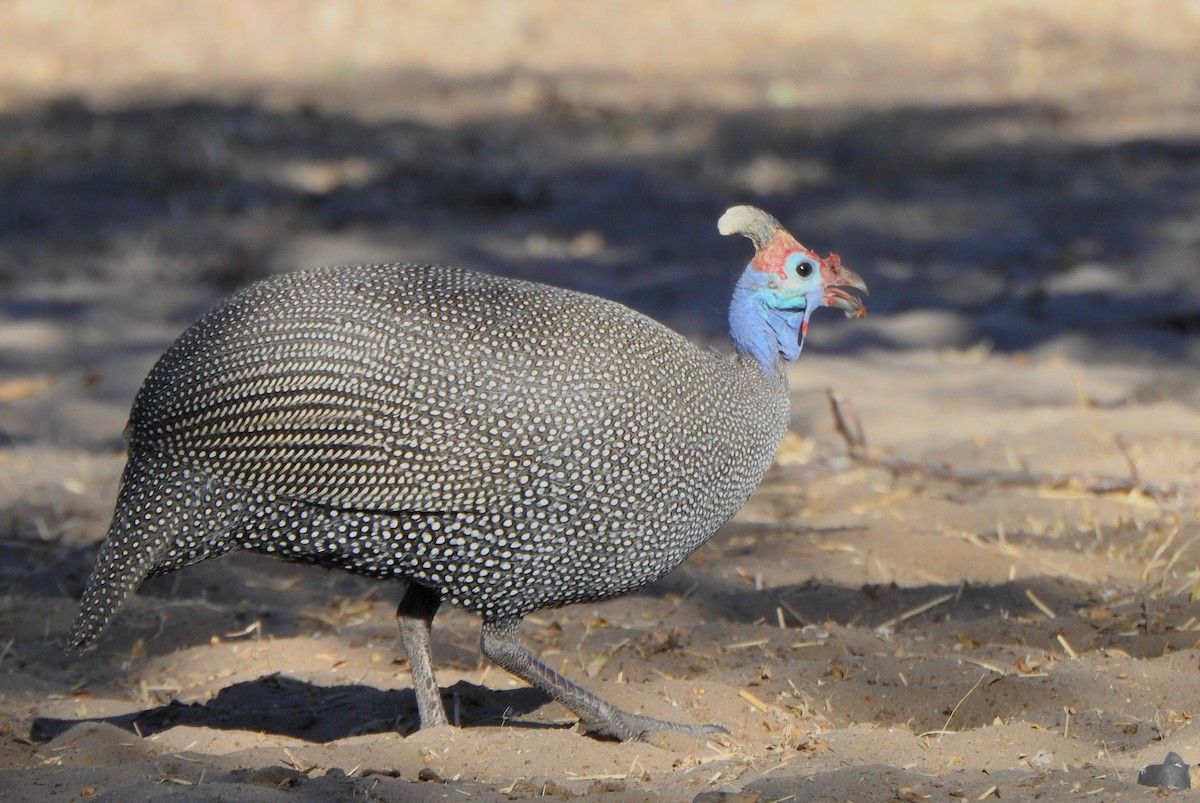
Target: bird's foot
(627,727)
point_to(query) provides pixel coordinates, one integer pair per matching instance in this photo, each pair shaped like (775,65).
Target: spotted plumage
(501,445)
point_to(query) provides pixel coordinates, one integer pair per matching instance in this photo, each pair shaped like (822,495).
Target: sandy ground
(980,587)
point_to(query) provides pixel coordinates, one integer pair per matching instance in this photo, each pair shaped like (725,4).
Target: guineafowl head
(781,287)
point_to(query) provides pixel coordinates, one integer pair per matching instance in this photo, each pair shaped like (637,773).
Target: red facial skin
(834,275)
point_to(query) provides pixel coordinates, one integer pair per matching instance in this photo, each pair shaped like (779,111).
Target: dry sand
(980,588)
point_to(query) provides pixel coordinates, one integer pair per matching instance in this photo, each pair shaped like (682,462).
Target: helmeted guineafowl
(502,445)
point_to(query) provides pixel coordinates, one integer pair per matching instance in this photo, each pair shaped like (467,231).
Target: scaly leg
(415,617)
(501,642)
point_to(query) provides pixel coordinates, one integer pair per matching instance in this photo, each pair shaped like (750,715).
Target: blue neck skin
(767,324)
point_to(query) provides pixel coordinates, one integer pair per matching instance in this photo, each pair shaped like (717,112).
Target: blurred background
(1007,175)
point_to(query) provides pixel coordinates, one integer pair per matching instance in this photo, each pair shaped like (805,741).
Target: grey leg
(415,617)
(501,642)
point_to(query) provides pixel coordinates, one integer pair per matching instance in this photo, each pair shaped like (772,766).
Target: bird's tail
(163,521)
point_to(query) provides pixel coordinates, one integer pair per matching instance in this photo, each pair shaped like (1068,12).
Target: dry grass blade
(742,645)
(917,611)
(1037,602)
(985,665)
(610,776)
(946,728)
(754,701)
(254,627)
(883,501)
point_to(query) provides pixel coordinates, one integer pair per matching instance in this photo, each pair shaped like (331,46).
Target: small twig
(8,647)
(848,426)
(1035,479)
(1123,446)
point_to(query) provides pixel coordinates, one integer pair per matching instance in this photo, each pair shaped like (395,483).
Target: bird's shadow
(284,706)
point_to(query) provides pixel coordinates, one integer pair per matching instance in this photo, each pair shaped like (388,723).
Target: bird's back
(460,422)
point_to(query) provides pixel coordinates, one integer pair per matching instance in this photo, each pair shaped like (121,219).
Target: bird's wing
(351,392)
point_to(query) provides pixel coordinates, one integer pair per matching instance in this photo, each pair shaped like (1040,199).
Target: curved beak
(837,278)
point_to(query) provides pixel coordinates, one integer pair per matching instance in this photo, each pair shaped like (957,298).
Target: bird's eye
(802,266)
